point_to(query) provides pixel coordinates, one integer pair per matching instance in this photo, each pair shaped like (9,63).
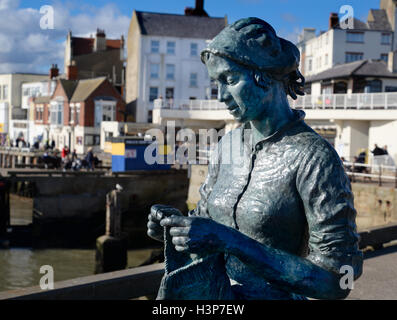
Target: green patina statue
(277,221)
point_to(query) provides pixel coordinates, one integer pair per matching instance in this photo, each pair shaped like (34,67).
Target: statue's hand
(158,212)
(196,234)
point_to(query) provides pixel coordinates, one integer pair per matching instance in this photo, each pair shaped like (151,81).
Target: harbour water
(20,267)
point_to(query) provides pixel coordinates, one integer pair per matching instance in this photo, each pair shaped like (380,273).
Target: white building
(164,58)
(373,39)
(30,91)
(13,118)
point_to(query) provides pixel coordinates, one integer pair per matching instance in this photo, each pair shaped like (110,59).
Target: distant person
(52,145)
(89,158)
(64,153)
(74,155)
(385,150)
(377,151)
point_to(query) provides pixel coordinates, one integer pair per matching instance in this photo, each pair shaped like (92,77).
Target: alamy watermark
(47,281)
(347,280)
(47,19)
(347,21)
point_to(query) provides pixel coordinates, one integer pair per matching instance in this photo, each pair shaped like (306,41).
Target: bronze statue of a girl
(280,224)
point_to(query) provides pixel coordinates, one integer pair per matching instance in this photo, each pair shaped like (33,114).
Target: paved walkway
(379,278)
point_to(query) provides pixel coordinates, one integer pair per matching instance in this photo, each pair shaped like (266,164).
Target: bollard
(13,161)
(111,248)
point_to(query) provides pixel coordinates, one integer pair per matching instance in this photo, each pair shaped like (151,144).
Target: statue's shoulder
(312,145)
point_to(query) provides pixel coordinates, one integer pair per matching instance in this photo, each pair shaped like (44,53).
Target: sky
(26,47)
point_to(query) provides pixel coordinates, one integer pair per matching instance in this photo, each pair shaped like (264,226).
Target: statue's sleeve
(207,186)
(327,198)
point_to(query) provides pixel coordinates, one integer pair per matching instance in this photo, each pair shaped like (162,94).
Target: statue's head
(252,67)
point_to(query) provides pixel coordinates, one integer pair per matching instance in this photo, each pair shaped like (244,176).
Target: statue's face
(245,100)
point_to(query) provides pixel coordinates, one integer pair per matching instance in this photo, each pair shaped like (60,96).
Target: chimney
(72,72)
(197,11)
(100,40)
(333,20)
(54,71)
(392,61)
(200,5)
(122,45)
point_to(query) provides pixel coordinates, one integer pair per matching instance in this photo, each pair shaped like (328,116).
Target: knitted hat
(253,43)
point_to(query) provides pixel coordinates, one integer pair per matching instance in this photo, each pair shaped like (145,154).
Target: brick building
(96,57)
(72,115)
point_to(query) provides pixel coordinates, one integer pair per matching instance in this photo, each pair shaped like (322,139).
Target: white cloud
(25,47)
(8,4)
(291,35)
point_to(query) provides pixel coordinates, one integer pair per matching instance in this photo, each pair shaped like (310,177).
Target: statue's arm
(333,242)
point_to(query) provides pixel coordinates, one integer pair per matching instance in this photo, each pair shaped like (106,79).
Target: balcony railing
(189,104)
(354,101)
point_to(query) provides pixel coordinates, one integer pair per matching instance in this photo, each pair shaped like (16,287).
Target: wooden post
(113,214)
(111,248)
(4,206)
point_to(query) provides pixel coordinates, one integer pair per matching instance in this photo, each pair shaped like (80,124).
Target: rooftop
(179,26)
(82,46)
(369,68)
(85,88)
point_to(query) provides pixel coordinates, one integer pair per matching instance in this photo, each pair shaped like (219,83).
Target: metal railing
(378,173)
(354,101)
(189,104)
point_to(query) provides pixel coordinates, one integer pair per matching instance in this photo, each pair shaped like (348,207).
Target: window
(193,79)
(92,140)
(154,71)
(310,65)
(155,46)
(384,57)
(71,113)
(353,56)
(390,89)
(77,114)
(169,93)
(170,71)
(5,92)
(386,38)
(340,87)
(108,113)
(39,113)
(373,86)
(193,49)
(170,47)
(153,93)
(104,111)
(214,90)
(57,113)
(326,59)
(355,37)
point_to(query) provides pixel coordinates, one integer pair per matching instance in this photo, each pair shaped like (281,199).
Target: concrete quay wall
(70,211)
